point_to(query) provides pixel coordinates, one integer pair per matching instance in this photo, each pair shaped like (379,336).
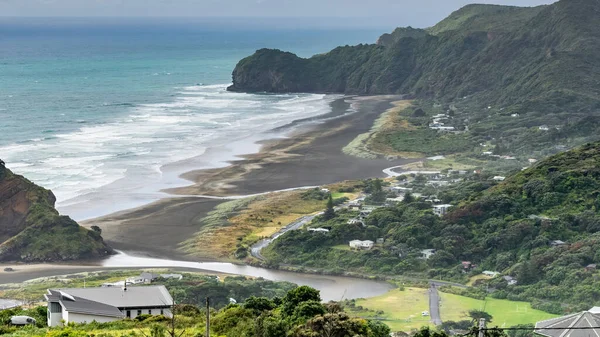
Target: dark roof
(562,326)
(142,296)
(83,306)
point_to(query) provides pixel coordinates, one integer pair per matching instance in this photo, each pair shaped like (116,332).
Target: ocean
(108,112)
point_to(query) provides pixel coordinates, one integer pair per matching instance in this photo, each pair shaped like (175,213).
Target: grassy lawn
(506,313)
(401,309)
(342,247)
(476,278)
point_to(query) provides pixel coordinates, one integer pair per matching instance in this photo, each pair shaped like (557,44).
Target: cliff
(31,230)
(543,58)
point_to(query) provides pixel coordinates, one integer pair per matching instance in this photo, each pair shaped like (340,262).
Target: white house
(320,230)
(441,209)
(427,253)
(498,178)
(490,273)
(84,305)
(359,244)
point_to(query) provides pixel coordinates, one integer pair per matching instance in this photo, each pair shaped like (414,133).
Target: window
(149,311)
(162,312)
(139,312)
(128,313)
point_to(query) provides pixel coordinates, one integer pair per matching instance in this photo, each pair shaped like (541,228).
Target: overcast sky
(416,13)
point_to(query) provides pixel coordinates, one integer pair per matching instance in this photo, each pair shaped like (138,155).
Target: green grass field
(401,309)
(506,313)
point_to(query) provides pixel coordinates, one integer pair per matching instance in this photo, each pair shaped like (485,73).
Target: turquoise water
(108,112)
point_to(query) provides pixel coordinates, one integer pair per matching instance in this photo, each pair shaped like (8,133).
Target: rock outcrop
(32,230)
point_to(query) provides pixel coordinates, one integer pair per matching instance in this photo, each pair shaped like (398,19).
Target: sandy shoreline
(310,156)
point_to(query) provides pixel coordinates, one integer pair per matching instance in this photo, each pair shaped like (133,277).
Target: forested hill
(522,59)
(32,230)
(511,227)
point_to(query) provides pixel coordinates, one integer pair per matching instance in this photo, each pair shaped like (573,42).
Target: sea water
(108,112)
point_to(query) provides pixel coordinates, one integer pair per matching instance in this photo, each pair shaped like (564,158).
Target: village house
(319,230)
(467,266)
(441,209)
(355,221)
(358,244)
(590,268)
(510,280)
(557,243)
(84,305)
(427,253)
(498,178)
(490,273)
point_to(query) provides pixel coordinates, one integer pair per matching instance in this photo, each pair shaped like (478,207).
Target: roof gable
(142,296)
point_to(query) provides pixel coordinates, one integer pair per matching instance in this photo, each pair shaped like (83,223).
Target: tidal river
(333,288)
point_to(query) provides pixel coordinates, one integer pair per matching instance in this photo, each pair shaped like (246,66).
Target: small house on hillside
(557,243)
(490,273)
(590,267)
(510,280)
(441,209)
(84,305)
(319,230)
(359,244)
(427,253)
(498,178)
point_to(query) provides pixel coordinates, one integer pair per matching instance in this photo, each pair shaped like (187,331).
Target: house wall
(85,318)
(54,318)
(155,311)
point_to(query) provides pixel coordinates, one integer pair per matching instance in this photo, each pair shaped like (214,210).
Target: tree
(378,329)
(476,315)
(329,212)
(299,295)
(2,163)
(259,304)
(96,229)
(408,198)
(333,325)
(309,309)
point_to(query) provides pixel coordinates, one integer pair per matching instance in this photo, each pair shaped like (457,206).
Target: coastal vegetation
(539,226)
(32,230)
(232,227)
(299,312)
(522,78)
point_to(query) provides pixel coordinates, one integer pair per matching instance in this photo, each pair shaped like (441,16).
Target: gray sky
(416,13)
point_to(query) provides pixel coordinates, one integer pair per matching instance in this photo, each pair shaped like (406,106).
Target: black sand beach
(311,156)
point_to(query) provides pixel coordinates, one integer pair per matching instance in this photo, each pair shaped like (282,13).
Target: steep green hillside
(505,70)
(477,17)
(506,227)
(32,230)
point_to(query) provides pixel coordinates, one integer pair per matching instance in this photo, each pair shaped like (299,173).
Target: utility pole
(207,317)
(481,327)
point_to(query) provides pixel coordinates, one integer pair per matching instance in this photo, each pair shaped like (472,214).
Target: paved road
(257,247)
(434,304)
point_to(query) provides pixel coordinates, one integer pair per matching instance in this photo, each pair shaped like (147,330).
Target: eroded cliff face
(15,204)
(31,230)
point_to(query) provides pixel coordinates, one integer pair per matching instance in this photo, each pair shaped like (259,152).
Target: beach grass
(240,223)
(371,145)
(401,310)
(505,313)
